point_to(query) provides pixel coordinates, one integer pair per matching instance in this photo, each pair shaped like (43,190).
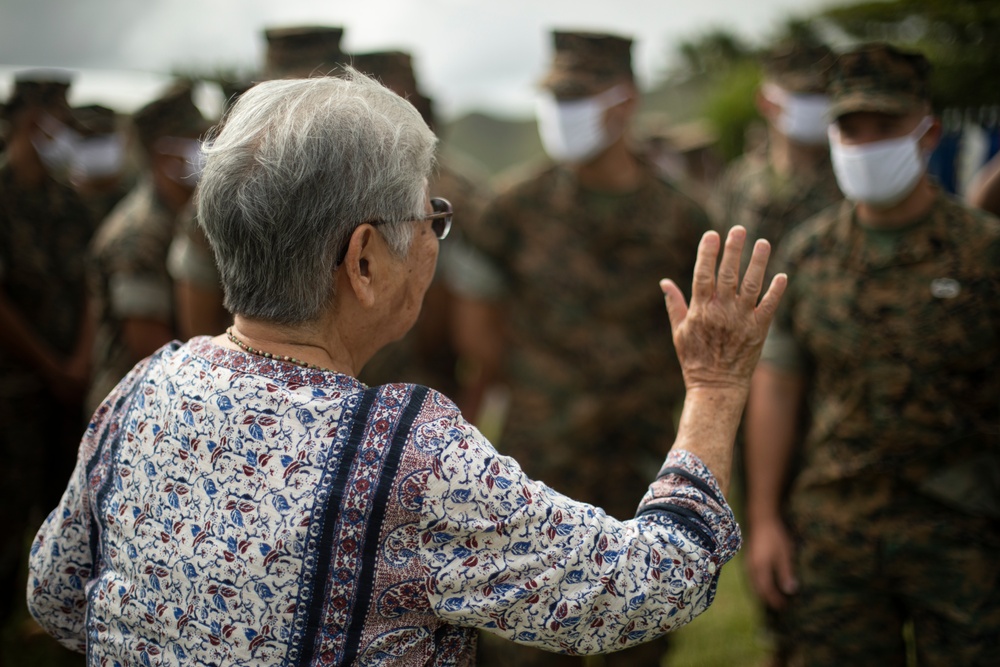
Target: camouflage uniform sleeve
(781,350)
(190,257)
(476,259)
(137,285)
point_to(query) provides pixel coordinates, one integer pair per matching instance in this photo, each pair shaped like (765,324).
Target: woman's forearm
(708,426)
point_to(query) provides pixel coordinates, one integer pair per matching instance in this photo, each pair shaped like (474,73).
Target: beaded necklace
(277,357)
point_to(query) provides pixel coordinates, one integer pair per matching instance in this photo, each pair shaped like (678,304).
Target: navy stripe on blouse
(387,481)
(329,515)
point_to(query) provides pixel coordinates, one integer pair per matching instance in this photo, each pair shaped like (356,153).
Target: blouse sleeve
(65,555)
(61,562)
(512,556)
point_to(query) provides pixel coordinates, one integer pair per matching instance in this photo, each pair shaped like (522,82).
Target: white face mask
(55,142)
(881,173)
(188,172)
(573,131)
(803,118)
(99,157)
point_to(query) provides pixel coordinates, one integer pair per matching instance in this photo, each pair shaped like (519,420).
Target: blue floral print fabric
(230,509)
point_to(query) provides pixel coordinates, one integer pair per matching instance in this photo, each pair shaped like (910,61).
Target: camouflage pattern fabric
(190,255)
(43,244)
(174,114)
(901,554)
(586,63)
(898,334)
(594,380)
(798,66)
(424,356)
(302,51)
(751,194)
(593,375)
(128,279)
(881,78)
(43,247)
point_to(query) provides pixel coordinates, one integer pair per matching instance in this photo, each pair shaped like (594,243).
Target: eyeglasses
(440,218)
(440,223)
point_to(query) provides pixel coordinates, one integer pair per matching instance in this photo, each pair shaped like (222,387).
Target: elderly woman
(244,500)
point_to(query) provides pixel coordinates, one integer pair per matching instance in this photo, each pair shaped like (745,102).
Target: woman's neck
(313,343)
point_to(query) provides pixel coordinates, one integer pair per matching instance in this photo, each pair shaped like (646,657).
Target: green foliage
(729,106)
(713,52)
(959,37)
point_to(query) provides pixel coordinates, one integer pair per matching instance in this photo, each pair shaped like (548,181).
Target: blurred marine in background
(128,279)
(573,324)
(890,333)
(788,179)
(44,338)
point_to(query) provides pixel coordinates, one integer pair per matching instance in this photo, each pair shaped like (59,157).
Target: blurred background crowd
(113,265)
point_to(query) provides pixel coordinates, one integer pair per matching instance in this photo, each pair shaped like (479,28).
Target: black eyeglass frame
(441,220)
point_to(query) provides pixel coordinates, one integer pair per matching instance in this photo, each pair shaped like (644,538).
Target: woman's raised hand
(718,337)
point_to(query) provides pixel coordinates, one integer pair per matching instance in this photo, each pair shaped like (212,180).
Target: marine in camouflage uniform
(788,179)
(895,332)
(106,178)
(44,232)
(426,354)
(782,182)
(593,378)
(128,276)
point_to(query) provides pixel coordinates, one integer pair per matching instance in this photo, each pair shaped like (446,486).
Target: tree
(959,37)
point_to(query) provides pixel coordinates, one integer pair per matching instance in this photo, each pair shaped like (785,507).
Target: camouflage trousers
(885,573)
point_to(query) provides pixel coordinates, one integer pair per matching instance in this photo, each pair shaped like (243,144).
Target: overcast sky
(469,54)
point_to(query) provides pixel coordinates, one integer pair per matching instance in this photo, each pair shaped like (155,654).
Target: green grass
(729,633)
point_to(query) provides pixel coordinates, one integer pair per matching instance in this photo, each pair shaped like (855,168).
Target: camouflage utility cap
(881,78)
(799,67)
(40,87)
(303,51)
(394,69)
(587,63)
(174,114)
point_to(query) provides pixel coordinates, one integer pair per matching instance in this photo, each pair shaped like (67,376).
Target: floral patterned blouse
(232,510)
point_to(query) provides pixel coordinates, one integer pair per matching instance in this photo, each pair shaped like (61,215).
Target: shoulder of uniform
(526,176)
(970,227)
(815,234)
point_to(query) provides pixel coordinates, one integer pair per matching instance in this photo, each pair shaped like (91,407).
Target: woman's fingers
(676,306)
(769,304)
(729,267)
(703,285)
(753,279)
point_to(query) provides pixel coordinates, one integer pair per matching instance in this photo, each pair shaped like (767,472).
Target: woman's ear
(361,265)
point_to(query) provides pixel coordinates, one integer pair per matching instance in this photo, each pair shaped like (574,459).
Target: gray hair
(296,166)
